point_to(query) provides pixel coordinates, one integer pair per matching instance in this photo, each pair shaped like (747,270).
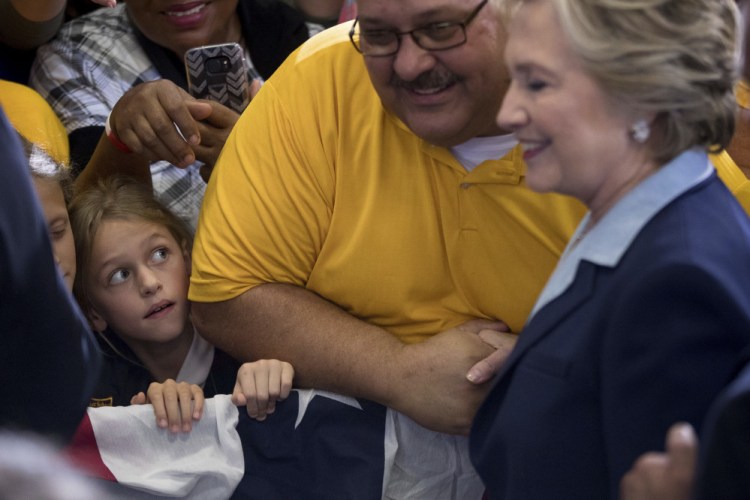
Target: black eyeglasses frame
(399,34)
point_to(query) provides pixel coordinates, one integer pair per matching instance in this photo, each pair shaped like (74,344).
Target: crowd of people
(520,226)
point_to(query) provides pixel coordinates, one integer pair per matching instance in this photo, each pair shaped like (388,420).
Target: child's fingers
(244,389)
(287,376)
(198,401)
(262,387)
(279,383)
(138,399)
(171,401)
(260,384)
(238,396)
(157,401)
(185,404)
(275,369)
(250,397)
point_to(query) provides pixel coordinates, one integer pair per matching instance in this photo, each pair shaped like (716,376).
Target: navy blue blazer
(601,372)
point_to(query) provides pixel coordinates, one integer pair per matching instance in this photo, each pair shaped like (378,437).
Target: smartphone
(218,73)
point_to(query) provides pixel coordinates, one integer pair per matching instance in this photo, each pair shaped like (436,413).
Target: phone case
(218,73)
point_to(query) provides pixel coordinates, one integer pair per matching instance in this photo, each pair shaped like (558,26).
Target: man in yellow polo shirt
(350,218)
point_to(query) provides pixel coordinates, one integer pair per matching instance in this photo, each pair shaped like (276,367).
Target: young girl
(133,258)
(53,185)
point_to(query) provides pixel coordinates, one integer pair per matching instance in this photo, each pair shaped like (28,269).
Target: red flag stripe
(83,452)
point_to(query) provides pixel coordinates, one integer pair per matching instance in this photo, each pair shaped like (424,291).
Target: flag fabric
(317,445)
(123,444)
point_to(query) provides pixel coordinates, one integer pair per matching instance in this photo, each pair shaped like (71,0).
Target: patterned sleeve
(85,70)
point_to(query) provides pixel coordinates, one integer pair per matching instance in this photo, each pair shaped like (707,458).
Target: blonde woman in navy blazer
(616,103)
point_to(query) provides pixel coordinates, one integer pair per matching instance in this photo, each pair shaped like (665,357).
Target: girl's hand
(260,384)
(176,405)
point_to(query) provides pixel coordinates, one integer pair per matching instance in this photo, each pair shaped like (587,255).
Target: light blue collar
(606,242)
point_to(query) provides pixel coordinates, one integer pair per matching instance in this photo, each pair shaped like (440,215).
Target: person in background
(644,317)
(27,24)
(325,13)
(48,360)
(77,8)
(116,78)
(54,188)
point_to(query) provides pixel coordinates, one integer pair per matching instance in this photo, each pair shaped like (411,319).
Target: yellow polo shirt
(320,187)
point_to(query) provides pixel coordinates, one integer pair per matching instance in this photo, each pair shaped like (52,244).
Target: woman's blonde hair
(675,60)
(121,198)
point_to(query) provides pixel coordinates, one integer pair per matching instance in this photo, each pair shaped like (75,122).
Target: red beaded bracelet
(116,142)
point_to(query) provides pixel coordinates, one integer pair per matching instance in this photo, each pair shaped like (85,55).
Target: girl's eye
(57,231)
(160,255)
(118,276)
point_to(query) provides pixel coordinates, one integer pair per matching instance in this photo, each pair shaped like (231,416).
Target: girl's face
(60,234)
(137,281)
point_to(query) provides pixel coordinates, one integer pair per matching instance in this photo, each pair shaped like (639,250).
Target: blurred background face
(446,97)
(181,25)
(60,234)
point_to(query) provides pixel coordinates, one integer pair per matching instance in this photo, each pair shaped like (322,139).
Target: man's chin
(436,128)
(445,136)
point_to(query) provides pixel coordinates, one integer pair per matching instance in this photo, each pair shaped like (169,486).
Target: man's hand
(435,391)
(664,476)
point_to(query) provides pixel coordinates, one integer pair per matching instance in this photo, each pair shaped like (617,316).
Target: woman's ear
(97,322)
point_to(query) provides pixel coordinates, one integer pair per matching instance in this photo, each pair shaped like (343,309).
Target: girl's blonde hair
(43,166)
(115,197)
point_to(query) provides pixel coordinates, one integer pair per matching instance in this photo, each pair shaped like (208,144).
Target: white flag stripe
(205,463)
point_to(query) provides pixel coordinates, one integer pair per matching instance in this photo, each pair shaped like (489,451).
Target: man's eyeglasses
(435,36)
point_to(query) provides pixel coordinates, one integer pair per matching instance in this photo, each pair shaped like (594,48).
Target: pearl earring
(640,131)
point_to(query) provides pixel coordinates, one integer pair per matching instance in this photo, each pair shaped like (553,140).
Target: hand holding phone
(218,73)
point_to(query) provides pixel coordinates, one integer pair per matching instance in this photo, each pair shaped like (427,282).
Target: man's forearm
(329,348)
